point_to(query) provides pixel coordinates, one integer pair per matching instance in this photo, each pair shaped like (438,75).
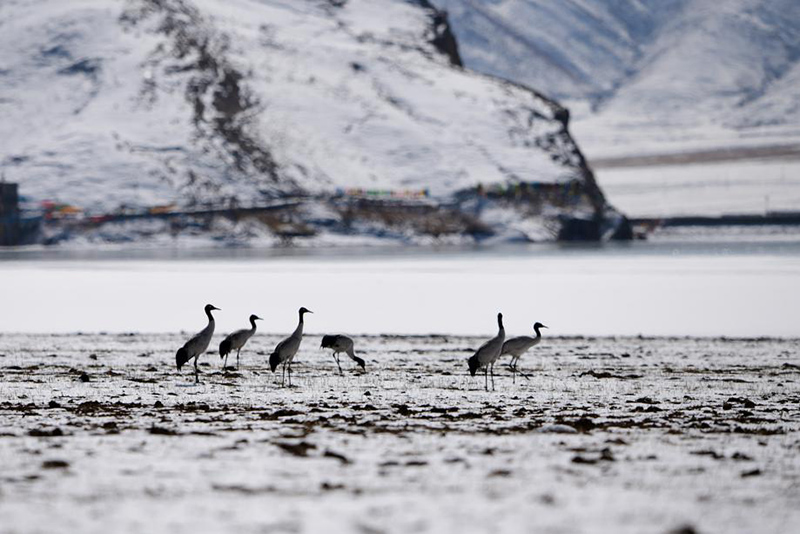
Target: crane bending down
(488,353)
(517,346)
(198,344)
(340,343)
(285,350)
(236,340)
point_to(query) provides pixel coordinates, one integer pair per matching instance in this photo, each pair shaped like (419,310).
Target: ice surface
(733,289)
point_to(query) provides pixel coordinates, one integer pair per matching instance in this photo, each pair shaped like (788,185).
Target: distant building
(9,214)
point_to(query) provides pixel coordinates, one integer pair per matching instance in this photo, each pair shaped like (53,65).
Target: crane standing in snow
(285,350)
(340,343)
(236,340)
(488,353)
(517,346)
(198,344)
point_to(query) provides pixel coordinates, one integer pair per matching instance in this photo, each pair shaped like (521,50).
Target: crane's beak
(543,326)
(259,318)
(215,308)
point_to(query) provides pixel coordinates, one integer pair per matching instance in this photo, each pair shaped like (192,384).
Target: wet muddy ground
(99,433)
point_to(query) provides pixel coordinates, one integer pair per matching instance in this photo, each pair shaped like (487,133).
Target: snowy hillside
(149,102)
(647,75)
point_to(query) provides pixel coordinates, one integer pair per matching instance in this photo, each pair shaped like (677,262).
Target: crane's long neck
(209,329)
(538,332)
(252,325)
(299,330)
(500,330)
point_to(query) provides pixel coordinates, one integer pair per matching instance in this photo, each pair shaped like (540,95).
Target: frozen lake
(703,188)
(651,288)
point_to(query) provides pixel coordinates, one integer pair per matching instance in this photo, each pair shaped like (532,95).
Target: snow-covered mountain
(647,75)
(147,102)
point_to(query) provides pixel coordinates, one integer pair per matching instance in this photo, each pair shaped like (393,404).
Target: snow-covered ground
(99,433)
(647,76)
(732,289)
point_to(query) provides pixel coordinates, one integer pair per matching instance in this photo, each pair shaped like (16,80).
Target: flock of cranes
(285,351)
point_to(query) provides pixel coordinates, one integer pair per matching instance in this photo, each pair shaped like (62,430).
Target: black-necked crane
(340,343)
(285,350)
(198,344)
(517,346)
(236,340)
(488,353)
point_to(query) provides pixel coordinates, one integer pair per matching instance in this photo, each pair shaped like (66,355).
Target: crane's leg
(486,378)
(225,363)
(283,374)
(516,370)
(237,358)
(196,378)
(492,373)
(290,374)
(523,375)
(339,365)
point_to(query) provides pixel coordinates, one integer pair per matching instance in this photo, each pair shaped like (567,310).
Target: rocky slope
(204,103)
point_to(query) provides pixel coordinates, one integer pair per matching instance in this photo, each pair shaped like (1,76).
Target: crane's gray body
(488,353)
(288,347)
(236,340)
(197,344)
(517,346)
(285,350)
(341,343)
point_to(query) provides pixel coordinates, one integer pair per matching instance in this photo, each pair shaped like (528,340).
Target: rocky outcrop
(443,37)
(222,104)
